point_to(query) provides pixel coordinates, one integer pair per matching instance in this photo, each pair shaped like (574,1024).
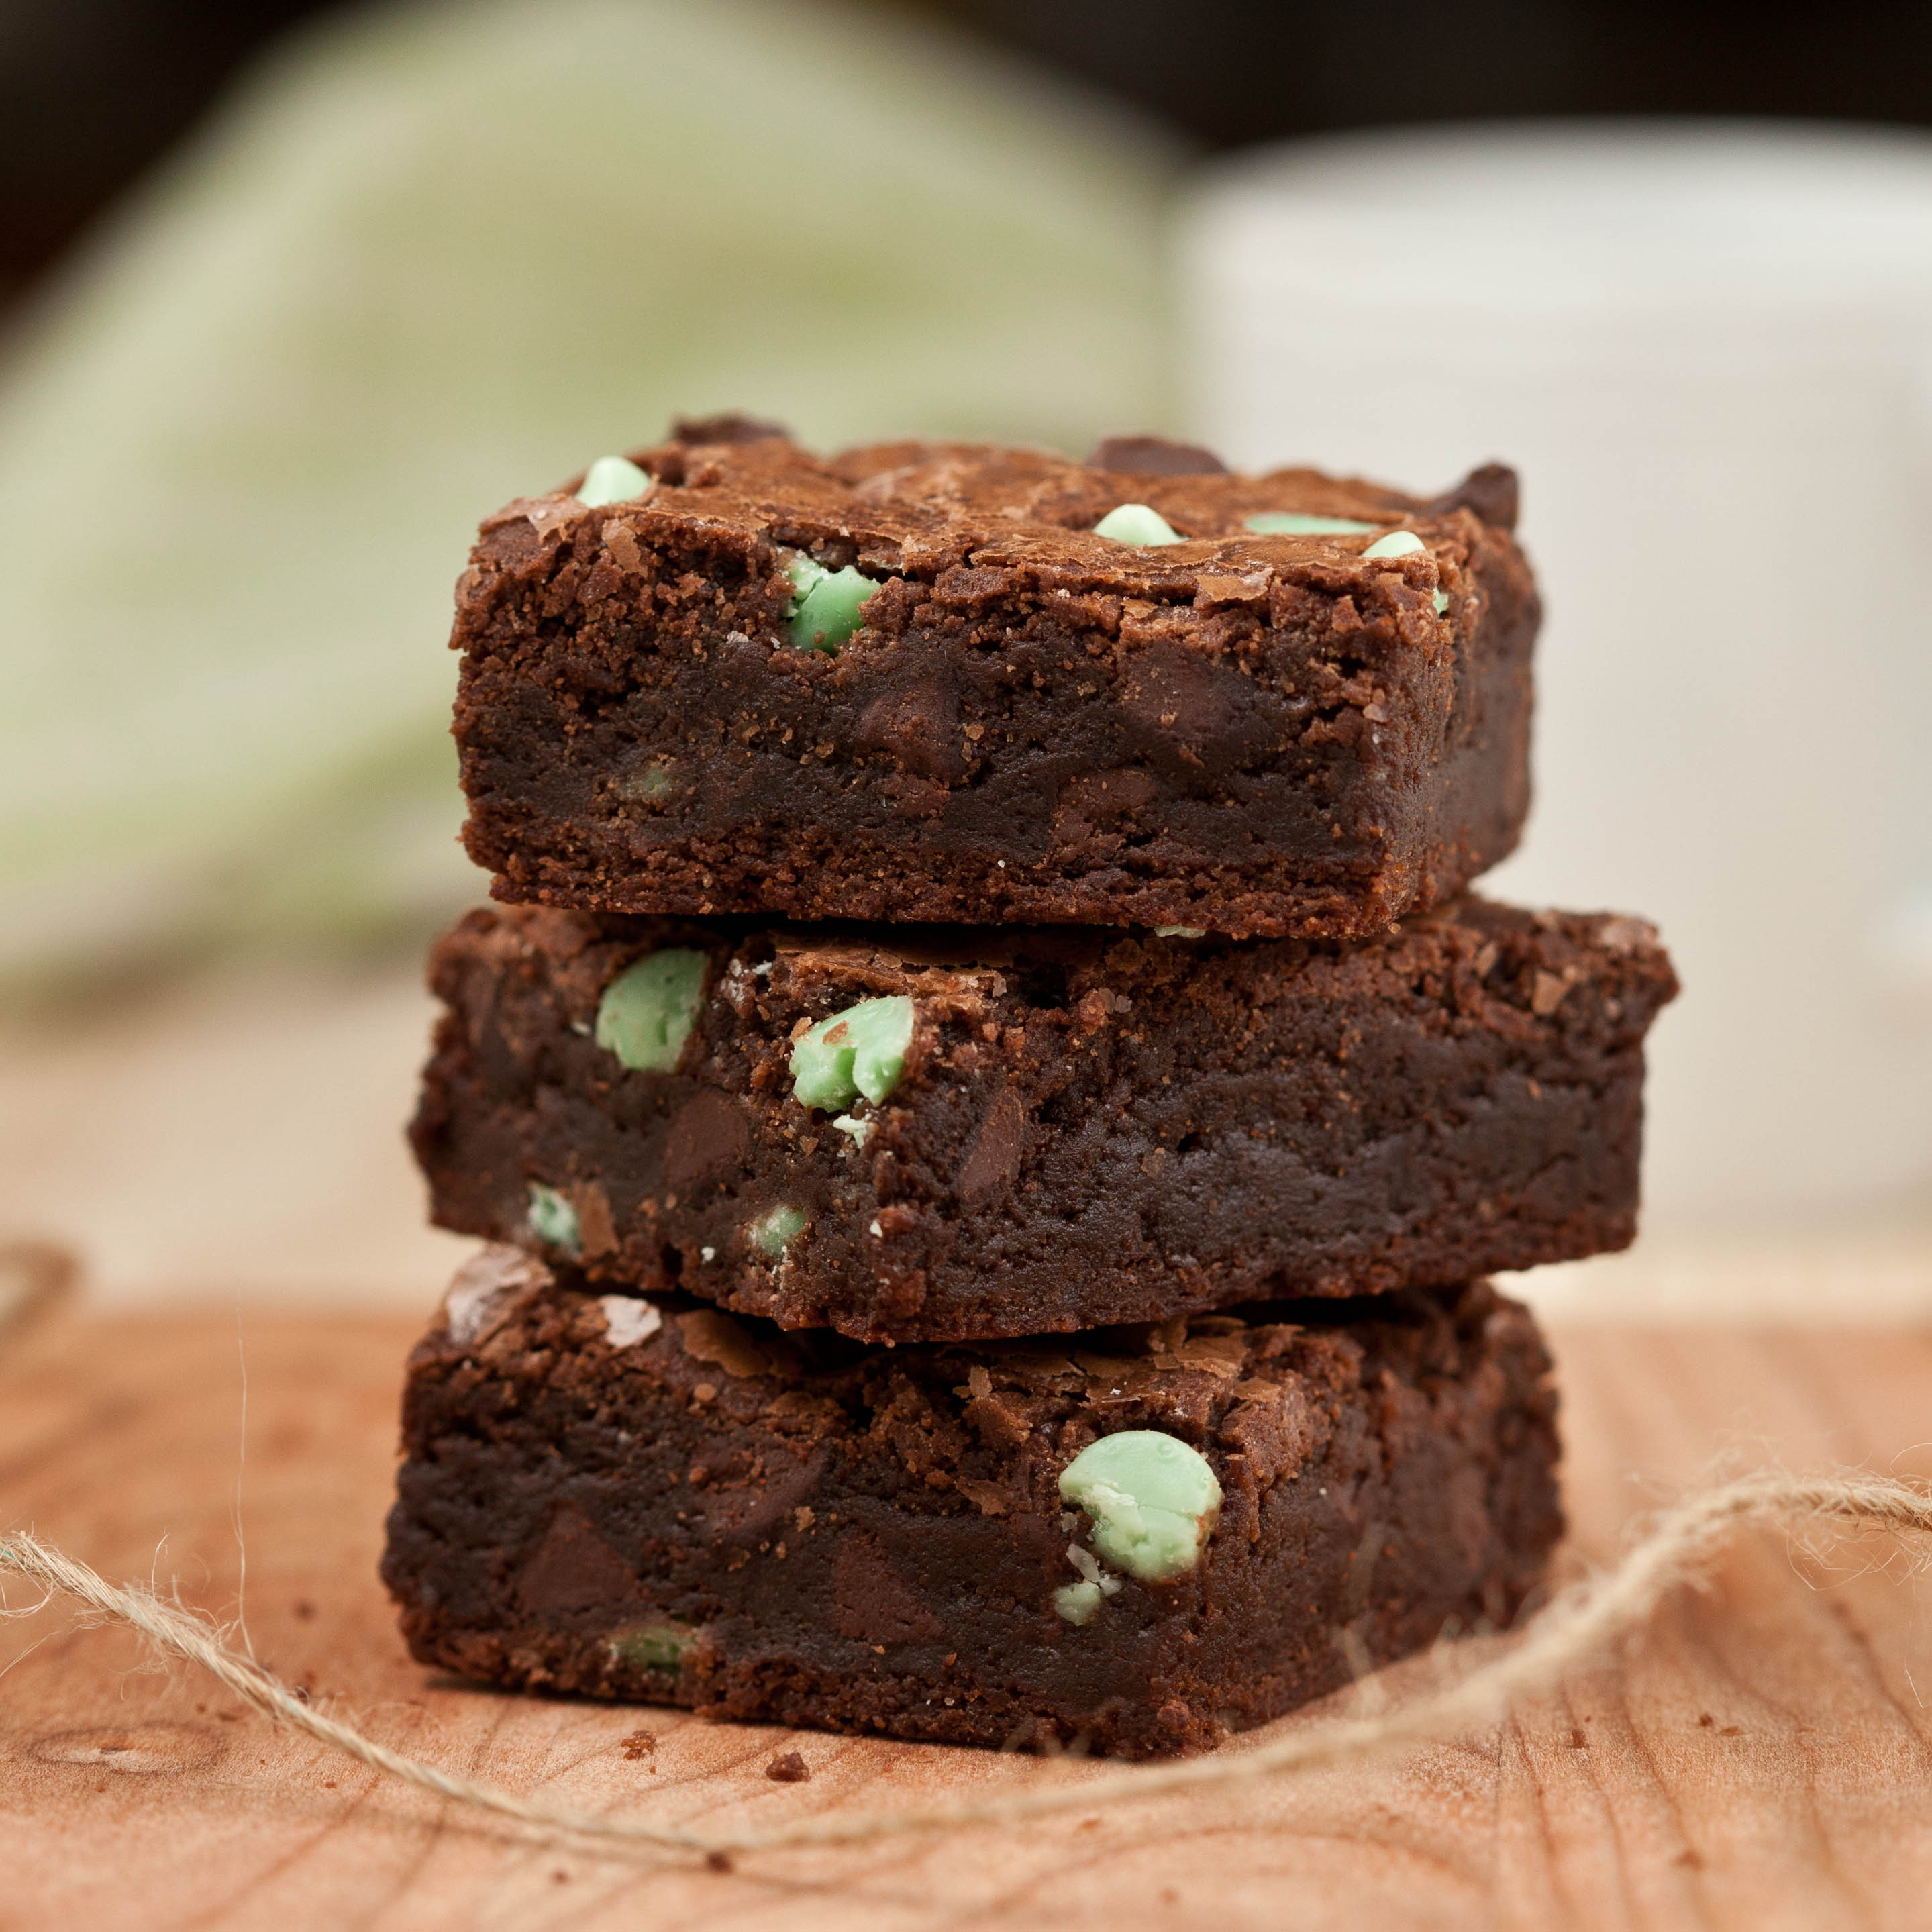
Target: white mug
(1707,348)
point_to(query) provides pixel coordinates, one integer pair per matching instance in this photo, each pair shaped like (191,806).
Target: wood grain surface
(1763,1759)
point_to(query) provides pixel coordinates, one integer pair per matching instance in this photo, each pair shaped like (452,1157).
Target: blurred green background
(430,258)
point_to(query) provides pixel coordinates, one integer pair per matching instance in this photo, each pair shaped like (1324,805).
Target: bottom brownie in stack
(1139,1538)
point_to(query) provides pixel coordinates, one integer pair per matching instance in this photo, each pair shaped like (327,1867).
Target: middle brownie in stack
(1035,1130)
(1156,1221)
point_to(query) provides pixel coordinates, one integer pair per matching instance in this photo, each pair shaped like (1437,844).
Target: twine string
(1578,1625)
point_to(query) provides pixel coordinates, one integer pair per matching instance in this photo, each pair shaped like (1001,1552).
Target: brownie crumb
(788,1768)
(641,1743)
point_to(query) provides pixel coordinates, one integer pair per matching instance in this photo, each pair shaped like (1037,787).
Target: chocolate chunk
(1493,492)
(994,1164)
(1154,456)
(728,426)
(708,1140)
(871,1602)
(1185,711)
(918,726)
(574,1570)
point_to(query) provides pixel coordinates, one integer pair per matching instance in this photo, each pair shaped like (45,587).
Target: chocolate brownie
(912,1134)
(952,682)
(1140,1541)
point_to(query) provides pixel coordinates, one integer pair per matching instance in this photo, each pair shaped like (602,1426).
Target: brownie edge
(652,1500)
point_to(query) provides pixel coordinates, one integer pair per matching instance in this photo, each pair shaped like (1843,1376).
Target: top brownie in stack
(914,682)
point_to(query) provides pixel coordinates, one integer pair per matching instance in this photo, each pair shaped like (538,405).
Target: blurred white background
(430,256)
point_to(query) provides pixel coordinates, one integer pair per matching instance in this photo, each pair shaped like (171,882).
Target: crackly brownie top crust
(918,509)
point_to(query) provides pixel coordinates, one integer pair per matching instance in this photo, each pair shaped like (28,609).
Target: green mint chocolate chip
(1397,543)
(861,1051)
(650,786)
(655,1650)
(1135,523)
(553,1220)
(1078,1602)
(826,610)
(1153,1500)
(806,575)
(774,1232)
(1404,543)
(646,1014)
(612,479)
(1296,524)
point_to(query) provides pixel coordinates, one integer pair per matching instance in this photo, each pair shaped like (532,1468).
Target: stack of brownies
(990,1105)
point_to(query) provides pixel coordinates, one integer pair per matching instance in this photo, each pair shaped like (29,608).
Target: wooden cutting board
(1763,1758)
